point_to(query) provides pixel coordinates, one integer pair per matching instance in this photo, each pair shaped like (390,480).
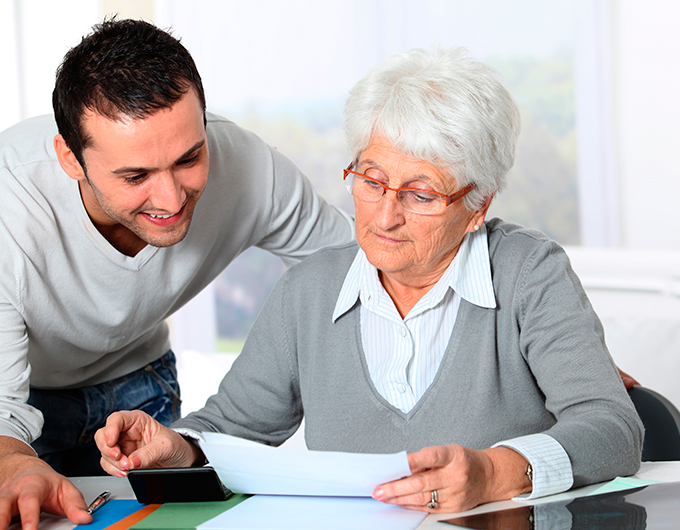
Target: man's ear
(67,160)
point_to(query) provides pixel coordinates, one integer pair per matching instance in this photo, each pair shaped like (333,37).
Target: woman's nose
(390,212)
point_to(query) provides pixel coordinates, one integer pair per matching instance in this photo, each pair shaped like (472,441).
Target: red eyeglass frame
(450,199)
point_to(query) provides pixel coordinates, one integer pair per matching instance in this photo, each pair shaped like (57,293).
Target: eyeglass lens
(414,201)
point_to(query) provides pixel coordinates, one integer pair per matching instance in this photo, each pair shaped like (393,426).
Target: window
(286,78)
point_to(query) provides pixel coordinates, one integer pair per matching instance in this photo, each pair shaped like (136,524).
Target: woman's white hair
(443,107)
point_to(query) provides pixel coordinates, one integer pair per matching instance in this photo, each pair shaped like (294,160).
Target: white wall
(35,35)
(647,98)
(636,294)
(10,111)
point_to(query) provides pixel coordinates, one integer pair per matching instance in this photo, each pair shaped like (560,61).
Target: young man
(161,198)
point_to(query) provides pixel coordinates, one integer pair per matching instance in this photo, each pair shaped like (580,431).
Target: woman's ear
(479,216)
(67,159)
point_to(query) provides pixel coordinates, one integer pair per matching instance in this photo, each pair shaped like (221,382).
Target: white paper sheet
(281,512)
(249,467)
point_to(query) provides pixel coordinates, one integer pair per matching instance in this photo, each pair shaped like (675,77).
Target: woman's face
(406,247)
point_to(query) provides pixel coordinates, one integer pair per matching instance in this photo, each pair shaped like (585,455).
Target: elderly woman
(469,343)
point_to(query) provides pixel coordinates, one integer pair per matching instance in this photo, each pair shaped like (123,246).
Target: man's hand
(628,381)
(29,485)
(134,440)
(462,477)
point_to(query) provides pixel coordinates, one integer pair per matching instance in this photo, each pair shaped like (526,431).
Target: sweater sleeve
(17,418)
(562,340)
(259,398)
(301,221)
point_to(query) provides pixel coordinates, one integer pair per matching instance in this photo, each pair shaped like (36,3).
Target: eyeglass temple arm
(460,193)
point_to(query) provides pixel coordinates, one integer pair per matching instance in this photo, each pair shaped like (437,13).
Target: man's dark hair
(124,67)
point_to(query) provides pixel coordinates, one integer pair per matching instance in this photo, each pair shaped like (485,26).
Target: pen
(98,502)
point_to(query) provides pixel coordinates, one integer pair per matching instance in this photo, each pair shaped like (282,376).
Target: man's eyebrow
(130,169)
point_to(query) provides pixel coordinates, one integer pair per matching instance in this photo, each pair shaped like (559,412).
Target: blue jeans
(72,416)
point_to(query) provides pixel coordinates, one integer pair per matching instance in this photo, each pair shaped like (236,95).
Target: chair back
(662,425)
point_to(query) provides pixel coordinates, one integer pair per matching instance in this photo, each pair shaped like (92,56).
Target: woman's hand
(134,440)
(463,478)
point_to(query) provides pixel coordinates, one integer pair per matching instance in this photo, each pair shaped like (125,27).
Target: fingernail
(137,462)
(378,494)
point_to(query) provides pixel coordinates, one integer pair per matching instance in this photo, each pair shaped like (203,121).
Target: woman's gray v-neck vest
(536,363)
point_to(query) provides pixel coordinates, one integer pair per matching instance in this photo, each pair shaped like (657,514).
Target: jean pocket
(164,373)
(153,389)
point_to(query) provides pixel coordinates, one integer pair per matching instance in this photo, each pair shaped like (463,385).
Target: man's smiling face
(145,175)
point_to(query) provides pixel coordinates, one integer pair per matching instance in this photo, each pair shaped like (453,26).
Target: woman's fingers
(459,476)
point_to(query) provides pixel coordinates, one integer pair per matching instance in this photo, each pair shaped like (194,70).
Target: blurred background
(596,81)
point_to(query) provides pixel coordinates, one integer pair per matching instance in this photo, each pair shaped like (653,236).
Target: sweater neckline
(451,348)
(100,242)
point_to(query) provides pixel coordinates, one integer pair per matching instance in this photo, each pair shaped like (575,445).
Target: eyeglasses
(414,200)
